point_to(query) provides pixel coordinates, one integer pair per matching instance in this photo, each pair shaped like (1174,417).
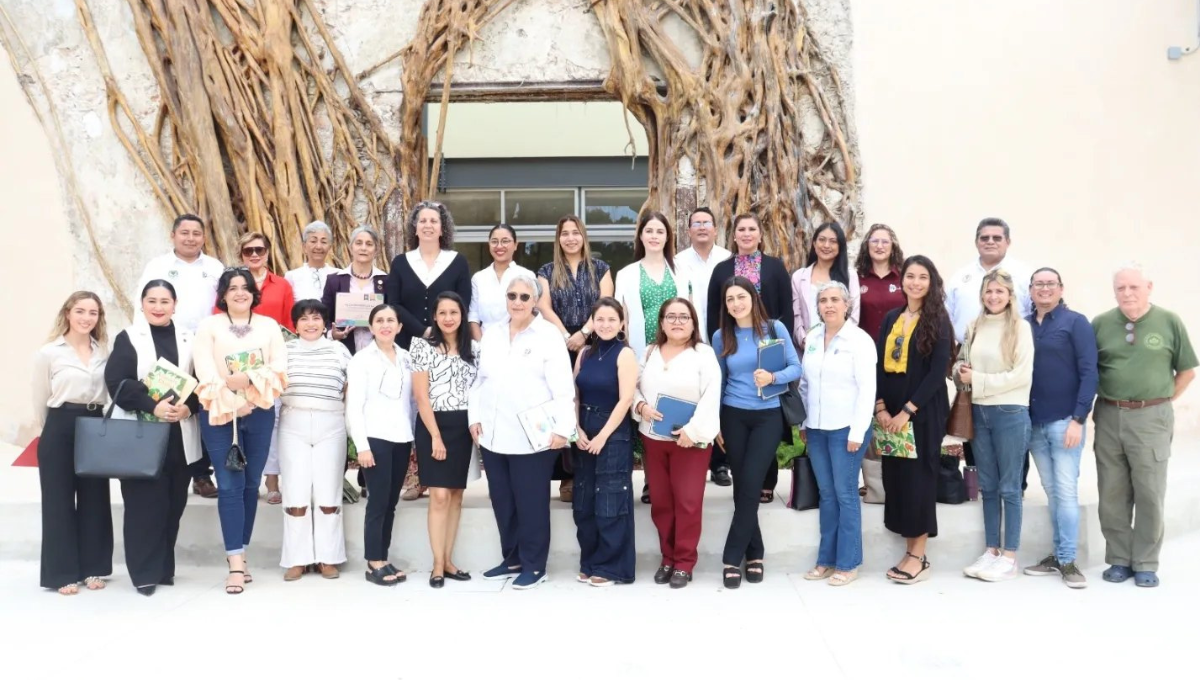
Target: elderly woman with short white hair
(308,280)
(528,352)
(838,387)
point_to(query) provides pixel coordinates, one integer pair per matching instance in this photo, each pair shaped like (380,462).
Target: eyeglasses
(899,349)
(879,242)
(677,318)
(502,242)
(525,297)
(994,238)
(1045,284)
(254,251)
(1131,336)
(705,223)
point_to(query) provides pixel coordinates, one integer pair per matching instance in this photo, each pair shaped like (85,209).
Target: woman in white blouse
(489,284)
(444,368)
(241,363)
(68,383)
(678,365)
(308,280)
(379,416)
(312,445)
(838,388)
(524,373)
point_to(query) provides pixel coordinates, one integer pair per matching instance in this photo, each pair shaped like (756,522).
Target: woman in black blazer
(428,268)
(770,277)
(362,276)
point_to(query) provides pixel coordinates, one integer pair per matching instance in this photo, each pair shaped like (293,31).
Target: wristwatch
(907,409)
(1080,420)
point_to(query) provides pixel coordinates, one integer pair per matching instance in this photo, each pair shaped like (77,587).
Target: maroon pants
(677,478)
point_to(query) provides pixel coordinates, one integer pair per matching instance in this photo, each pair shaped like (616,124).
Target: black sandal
(229,587)
(379,576)
(732,577)
(754,572)
(401,577)
(767,496)
(906,578)
(646,494)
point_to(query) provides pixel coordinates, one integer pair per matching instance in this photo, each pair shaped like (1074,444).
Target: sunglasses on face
(994,238)
(524,297)
(254,251)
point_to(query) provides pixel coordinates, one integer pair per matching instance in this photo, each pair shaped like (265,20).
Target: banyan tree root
(244,94)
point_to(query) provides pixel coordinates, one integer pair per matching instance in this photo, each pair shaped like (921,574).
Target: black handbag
(805,495)
(789,401)
(951,488)
(235,460)
(120,449)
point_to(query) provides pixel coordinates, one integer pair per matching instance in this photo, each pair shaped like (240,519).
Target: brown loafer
(412,493)
(204,487)
(566,490)
(328,571)
(293,573)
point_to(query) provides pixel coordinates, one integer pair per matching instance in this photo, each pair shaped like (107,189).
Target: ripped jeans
(312,459)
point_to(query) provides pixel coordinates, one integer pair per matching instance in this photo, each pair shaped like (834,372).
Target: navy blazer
(339,282)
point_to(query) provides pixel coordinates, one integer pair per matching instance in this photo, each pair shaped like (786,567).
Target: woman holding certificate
(838,389)
(678,411)
(606,375)
(362,278)
(912,405)
(156,346)
(241,363)
(751,418)
(522,413)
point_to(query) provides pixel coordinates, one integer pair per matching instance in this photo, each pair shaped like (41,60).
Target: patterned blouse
(450,377)
(653,297)
(573,304)
(750,267)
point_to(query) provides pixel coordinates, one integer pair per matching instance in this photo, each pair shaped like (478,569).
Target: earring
(621,336)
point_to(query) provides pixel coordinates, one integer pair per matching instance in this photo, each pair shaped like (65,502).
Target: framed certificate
(351,310)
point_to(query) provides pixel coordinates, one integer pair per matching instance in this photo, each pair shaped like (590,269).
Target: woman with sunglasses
(998,369)
(751,423)
(524,375)
(911,388)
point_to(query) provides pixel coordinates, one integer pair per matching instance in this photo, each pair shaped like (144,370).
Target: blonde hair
(62,323)
(1012,318)
(560,275)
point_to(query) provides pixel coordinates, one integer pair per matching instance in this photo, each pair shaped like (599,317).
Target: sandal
(235,588)
(842,578)
(900,576)
(767,496)
(94,583)
(732,577)
(69,589)
(401,577)
(818,573)
(380,576)
(274,498)
(754,572)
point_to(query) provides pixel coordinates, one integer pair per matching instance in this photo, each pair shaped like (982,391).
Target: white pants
(312,455)
(273,453)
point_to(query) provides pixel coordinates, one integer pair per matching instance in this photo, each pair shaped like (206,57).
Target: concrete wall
(1065,118)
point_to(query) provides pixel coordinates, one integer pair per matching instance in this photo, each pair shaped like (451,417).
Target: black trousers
(384,483)
(520,491)
(77,531)
(751,439)
(153,508)
(720,459)
(202,468)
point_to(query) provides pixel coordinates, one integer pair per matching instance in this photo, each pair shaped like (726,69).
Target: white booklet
(538,423)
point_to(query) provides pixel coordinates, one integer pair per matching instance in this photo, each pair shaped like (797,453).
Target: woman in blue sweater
(751,425)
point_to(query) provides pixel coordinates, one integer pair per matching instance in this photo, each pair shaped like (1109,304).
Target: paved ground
(949,627)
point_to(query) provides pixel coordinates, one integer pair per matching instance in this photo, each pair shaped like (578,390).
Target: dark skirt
(910,484)
(450,473)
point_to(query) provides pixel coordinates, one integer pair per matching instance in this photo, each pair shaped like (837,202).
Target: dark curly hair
(930,326)
(863,263)
(446,242)
(228,276)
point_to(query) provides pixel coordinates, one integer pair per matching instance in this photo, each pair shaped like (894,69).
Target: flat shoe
(328,571)
(663,575)
(1117,574)
(1145,579)
(293,574)
(458,576)
(436,581)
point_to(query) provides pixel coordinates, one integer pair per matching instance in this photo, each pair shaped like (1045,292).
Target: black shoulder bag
(120,449)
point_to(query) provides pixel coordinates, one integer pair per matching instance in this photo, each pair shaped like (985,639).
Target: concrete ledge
(791,537)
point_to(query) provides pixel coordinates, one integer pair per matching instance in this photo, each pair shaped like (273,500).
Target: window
(538,207)
(613,206)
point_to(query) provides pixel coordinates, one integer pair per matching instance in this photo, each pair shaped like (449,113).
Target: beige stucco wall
(1064,117)
(564,129)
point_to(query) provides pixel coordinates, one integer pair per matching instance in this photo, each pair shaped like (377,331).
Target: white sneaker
(985,560)
(1001,569)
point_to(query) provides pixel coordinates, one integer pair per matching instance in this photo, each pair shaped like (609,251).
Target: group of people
(558,373)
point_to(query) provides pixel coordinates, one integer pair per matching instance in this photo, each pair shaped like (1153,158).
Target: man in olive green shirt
(1146,362)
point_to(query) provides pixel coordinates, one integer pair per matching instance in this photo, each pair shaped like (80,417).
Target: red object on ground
(28,457)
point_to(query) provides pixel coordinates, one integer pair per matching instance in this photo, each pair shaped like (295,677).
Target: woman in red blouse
(878,265)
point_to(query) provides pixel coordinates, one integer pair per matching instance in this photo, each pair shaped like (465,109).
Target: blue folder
(772,357)
(676,413)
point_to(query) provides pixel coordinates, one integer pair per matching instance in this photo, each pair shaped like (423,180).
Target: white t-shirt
(962,292)
(702,271)
(195,285)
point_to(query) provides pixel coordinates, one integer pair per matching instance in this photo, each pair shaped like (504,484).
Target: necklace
(600,355)
(361,278)
(239,330)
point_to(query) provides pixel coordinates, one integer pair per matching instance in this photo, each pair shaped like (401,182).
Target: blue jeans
(237,492)
(840,507)
(1058,467)
(1001,440)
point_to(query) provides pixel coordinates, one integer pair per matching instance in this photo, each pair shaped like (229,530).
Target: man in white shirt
(308,280)
(702,258)
(194,276)
(992,239)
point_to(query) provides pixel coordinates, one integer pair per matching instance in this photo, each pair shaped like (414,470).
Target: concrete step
(791,537)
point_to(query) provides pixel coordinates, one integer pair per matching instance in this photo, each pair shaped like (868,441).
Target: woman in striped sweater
(312,445)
